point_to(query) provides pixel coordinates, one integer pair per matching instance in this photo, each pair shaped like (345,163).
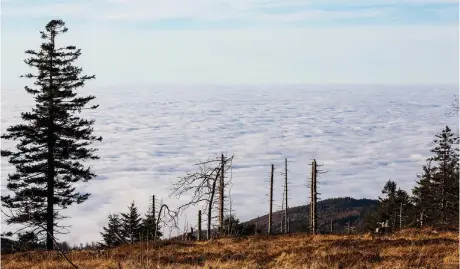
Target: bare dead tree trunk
(229,232)
(313,215)
(221,195)
(153,208)
(203,185)
(158,221)
(208,232)
(172,215)
(271,201)
(199,225)
(282,228)
(286,217)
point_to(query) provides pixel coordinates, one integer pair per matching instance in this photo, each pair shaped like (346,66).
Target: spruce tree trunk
(51,170)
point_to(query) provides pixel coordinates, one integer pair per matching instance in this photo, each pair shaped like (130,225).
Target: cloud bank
(363,135)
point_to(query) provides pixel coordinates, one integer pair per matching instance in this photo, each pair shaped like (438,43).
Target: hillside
(410,248)
(338,210)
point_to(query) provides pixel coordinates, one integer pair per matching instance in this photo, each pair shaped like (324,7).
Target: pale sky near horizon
(242,41)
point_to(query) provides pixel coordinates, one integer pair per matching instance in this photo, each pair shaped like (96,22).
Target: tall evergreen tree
(149,225)
(388,204)
(437,192)
(445,179)
(423,197)
(131,224)
(53,140)
(112,233)
(395,207)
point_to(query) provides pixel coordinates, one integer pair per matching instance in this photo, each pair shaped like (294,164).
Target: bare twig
(202,185)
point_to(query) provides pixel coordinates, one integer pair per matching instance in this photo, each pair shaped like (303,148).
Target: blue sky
(244,41)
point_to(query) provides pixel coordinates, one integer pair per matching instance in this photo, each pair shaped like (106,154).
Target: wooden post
(331,226)
(199,225)
(221,195)
(271,202)
(286,217)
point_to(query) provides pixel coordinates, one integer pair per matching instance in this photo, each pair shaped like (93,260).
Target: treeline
(435,198)
(130,227)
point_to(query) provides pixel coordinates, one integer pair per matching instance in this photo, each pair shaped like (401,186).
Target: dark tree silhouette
(437,192)
(395,207)
(112,233)
(53,140)
(148,226)
(131,224)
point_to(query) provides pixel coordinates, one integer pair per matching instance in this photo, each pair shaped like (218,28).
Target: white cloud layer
(363,135)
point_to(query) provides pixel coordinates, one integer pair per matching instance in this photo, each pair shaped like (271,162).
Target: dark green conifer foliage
(148,227)
(112,233)
(53,141)
(423,197)
(388,204)
(437,193)
(131,224)
(395,207)
(405,208)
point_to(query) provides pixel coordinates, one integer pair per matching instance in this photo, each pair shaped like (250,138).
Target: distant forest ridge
(340,211)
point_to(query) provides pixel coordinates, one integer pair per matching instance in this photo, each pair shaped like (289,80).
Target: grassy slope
(410,248)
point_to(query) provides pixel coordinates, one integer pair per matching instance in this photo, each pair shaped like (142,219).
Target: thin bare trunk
(221,195)
(271,202)
(199,225)
(286,217)
(213,191)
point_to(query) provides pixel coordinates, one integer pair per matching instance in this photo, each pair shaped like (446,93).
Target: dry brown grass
(409,248)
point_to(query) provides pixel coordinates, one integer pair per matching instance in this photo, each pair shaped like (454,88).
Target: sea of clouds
(363,135)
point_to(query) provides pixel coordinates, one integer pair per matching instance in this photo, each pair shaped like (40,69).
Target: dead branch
(169,218)
(202,185)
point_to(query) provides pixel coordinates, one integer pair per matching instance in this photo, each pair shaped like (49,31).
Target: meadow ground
(409,248)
